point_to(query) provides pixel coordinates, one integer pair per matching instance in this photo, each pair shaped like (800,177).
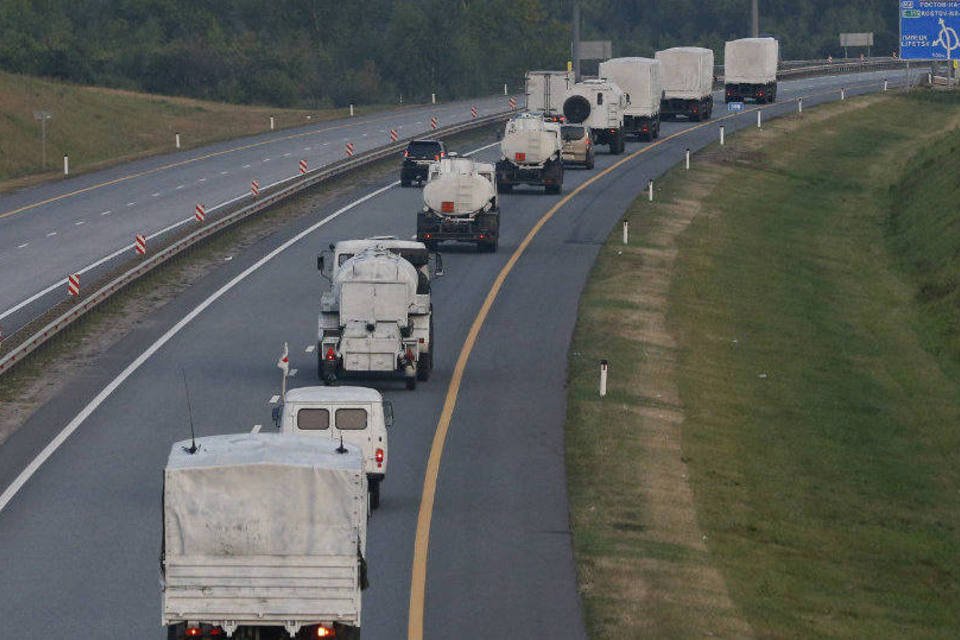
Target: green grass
(814,307)
(97,126)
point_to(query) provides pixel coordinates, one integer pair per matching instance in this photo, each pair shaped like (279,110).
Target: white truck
(531,153)
(460,203)
(358,416)
(377,317)
(640,81)
(264,536)
(598,105)
(687,82)
(750,69)
(546,90)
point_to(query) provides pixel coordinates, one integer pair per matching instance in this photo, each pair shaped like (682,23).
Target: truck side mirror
(322,265)
(387,413)
(277,412)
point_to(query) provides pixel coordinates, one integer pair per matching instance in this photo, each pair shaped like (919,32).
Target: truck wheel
(411,383)
(425,365)
(375,494)
(589,163)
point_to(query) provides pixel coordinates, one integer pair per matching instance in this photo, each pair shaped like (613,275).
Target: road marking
(292,373)
(51,234)
(24,245)
(287,155)
(179,186)
(306,148)
(223,173)
(266,159)
(106,213)
(78,223)
(202,180)
(310,348)
(228,259)
(325,144)
(256,428)
(155,194)
(130,204)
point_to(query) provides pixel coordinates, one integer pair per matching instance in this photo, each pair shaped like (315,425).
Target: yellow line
(181,163)
(418,578)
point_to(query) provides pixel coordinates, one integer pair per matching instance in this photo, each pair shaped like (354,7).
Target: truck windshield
(313,419)
(351,419)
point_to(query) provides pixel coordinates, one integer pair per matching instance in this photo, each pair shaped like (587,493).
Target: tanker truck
(263,536)
(460,203)
(687,82)
(377,317)
(598,105)
(531,153)
(639,79)
(750,69)
(546,90)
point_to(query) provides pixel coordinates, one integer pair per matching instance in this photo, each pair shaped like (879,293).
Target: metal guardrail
(268,198)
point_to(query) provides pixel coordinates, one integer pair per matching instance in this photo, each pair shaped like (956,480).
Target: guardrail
(25,345)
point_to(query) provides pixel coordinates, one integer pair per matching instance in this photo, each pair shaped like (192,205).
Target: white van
(358,415)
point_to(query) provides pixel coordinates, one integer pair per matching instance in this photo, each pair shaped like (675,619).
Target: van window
(351,419)
(599,98)
(313,419)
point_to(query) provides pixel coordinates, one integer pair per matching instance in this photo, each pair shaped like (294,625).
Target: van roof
(241,449)
(333,394)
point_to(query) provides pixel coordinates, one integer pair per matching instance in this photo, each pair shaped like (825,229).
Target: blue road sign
(734,106)
(928,29)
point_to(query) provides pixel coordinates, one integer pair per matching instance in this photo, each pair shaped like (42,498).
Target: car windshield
(571,133)
(423,149)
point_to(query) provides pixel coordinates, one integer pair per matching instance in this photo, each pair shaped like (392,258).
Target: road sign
(303,167)
(73,284)
(734,106)
(513,103)
(200,212)
(474,112)
(434,123)
(394,135)
(928,29)
(140,244)
(349,148)
(254,188)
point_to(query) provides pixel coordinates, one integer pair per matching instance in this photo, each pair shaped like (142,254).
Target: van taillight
(379,457)
(331,354)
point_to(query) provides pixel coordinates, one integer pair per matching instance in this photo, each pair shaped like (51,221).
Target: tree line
(321,52)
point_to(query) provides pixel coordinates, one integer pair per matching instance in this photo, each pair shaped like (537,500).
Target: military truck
(460,203)
(640,81)
(599,105)
(750,69)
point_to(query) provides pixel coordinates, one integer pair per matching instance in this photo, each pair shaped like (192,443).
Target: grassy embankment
(779,454)
(98,127)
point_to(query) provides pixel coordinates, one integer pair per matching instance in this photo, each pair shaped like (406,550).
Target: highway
(72,225)
(80,535)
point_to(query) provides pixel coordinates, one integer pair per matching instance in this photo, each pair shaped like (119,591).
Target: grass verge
(778,454)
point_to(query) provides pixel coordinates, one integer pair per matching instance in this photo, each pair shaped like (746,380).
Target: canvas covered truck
(750,69)
(264,537)
(640,81)
(687,74)
(599,105)
(358,416)
(531,153)
(377,317)
(460,203)
(546,90)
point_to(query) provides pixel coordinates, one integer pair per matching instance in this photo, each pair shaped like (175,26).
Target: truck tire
(375,494)
(411,383)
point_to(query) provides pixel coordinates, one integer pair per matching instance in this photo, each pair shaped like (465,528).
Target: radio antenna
(192,449)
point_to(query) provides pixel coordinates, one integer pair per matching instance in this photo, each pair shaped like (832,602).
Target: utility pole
(755,12)
(576,41)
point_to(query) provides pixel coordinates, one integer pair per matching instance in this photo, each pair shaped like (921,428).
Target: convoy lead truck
(640,81)
(687,82)
(750,69)
(531,154)
(358,416)
(264,538)
(377,316)
(460,203)
(546,90)
(598,105)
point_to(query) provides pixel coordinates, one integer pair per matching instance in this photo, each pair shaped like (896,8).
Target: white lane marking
(266,159)
(79,222)
(274,399)
(287,155)
(228,259)
(364,135)
(11,491)
(325,144)
(223,173)
(256,428)
(130,204)
(306,148)
(202,180)
(246,166)
(292,373)
(106,213)
(51,234)
(310,348)
(24,245)
(179,186)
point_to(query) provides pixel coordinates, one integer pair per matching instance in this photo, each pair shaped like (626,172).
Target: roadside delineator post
(351,110)
(303,167)
(66,165)
(626,232)
(474,112)
(271,123)
(759,119)
(513,103)
(140,244)
(603,378)
(433,98)
(799,105)
(73,284)
(255,188)
(650,190)
(688,158)
(885,84)
(394,135)
(176,138)
(349,149)
(722,130)
(200,212)
(434,123)
(504,88)
(843,93)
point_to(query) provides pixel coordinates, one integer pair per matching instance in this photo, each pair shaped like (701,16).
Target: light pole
(755,13)
(43,116)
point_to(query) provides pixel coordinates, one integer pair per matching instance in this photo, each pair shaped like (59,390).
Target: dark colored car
(417,158)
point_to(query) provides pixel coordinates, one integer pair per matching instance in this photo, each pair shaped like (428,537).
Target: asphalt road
(63,227)
(79,541)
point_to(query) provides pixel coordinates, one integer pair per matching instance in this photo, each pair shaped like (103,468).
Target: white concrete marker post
(271,123)
(176,137)
(721,135)
(843,93)
(626,232)
(759,119)
(66,165)
(433,98)
(650,190)
(351,110)
(799,105)
(603,378)
(885,84)
(504,88)
(688,159)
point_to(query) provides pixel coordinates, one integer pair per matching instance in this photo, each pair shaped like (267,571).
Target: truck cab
(358,416)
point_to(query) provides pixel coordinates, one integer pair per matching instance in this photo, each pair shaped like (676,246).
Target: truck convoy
(598,105)
(377,316)
(546,90)
(530,154)
(750,69)
(264,536)
(640,81)
(358,416)
(460,203)
(687,82)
